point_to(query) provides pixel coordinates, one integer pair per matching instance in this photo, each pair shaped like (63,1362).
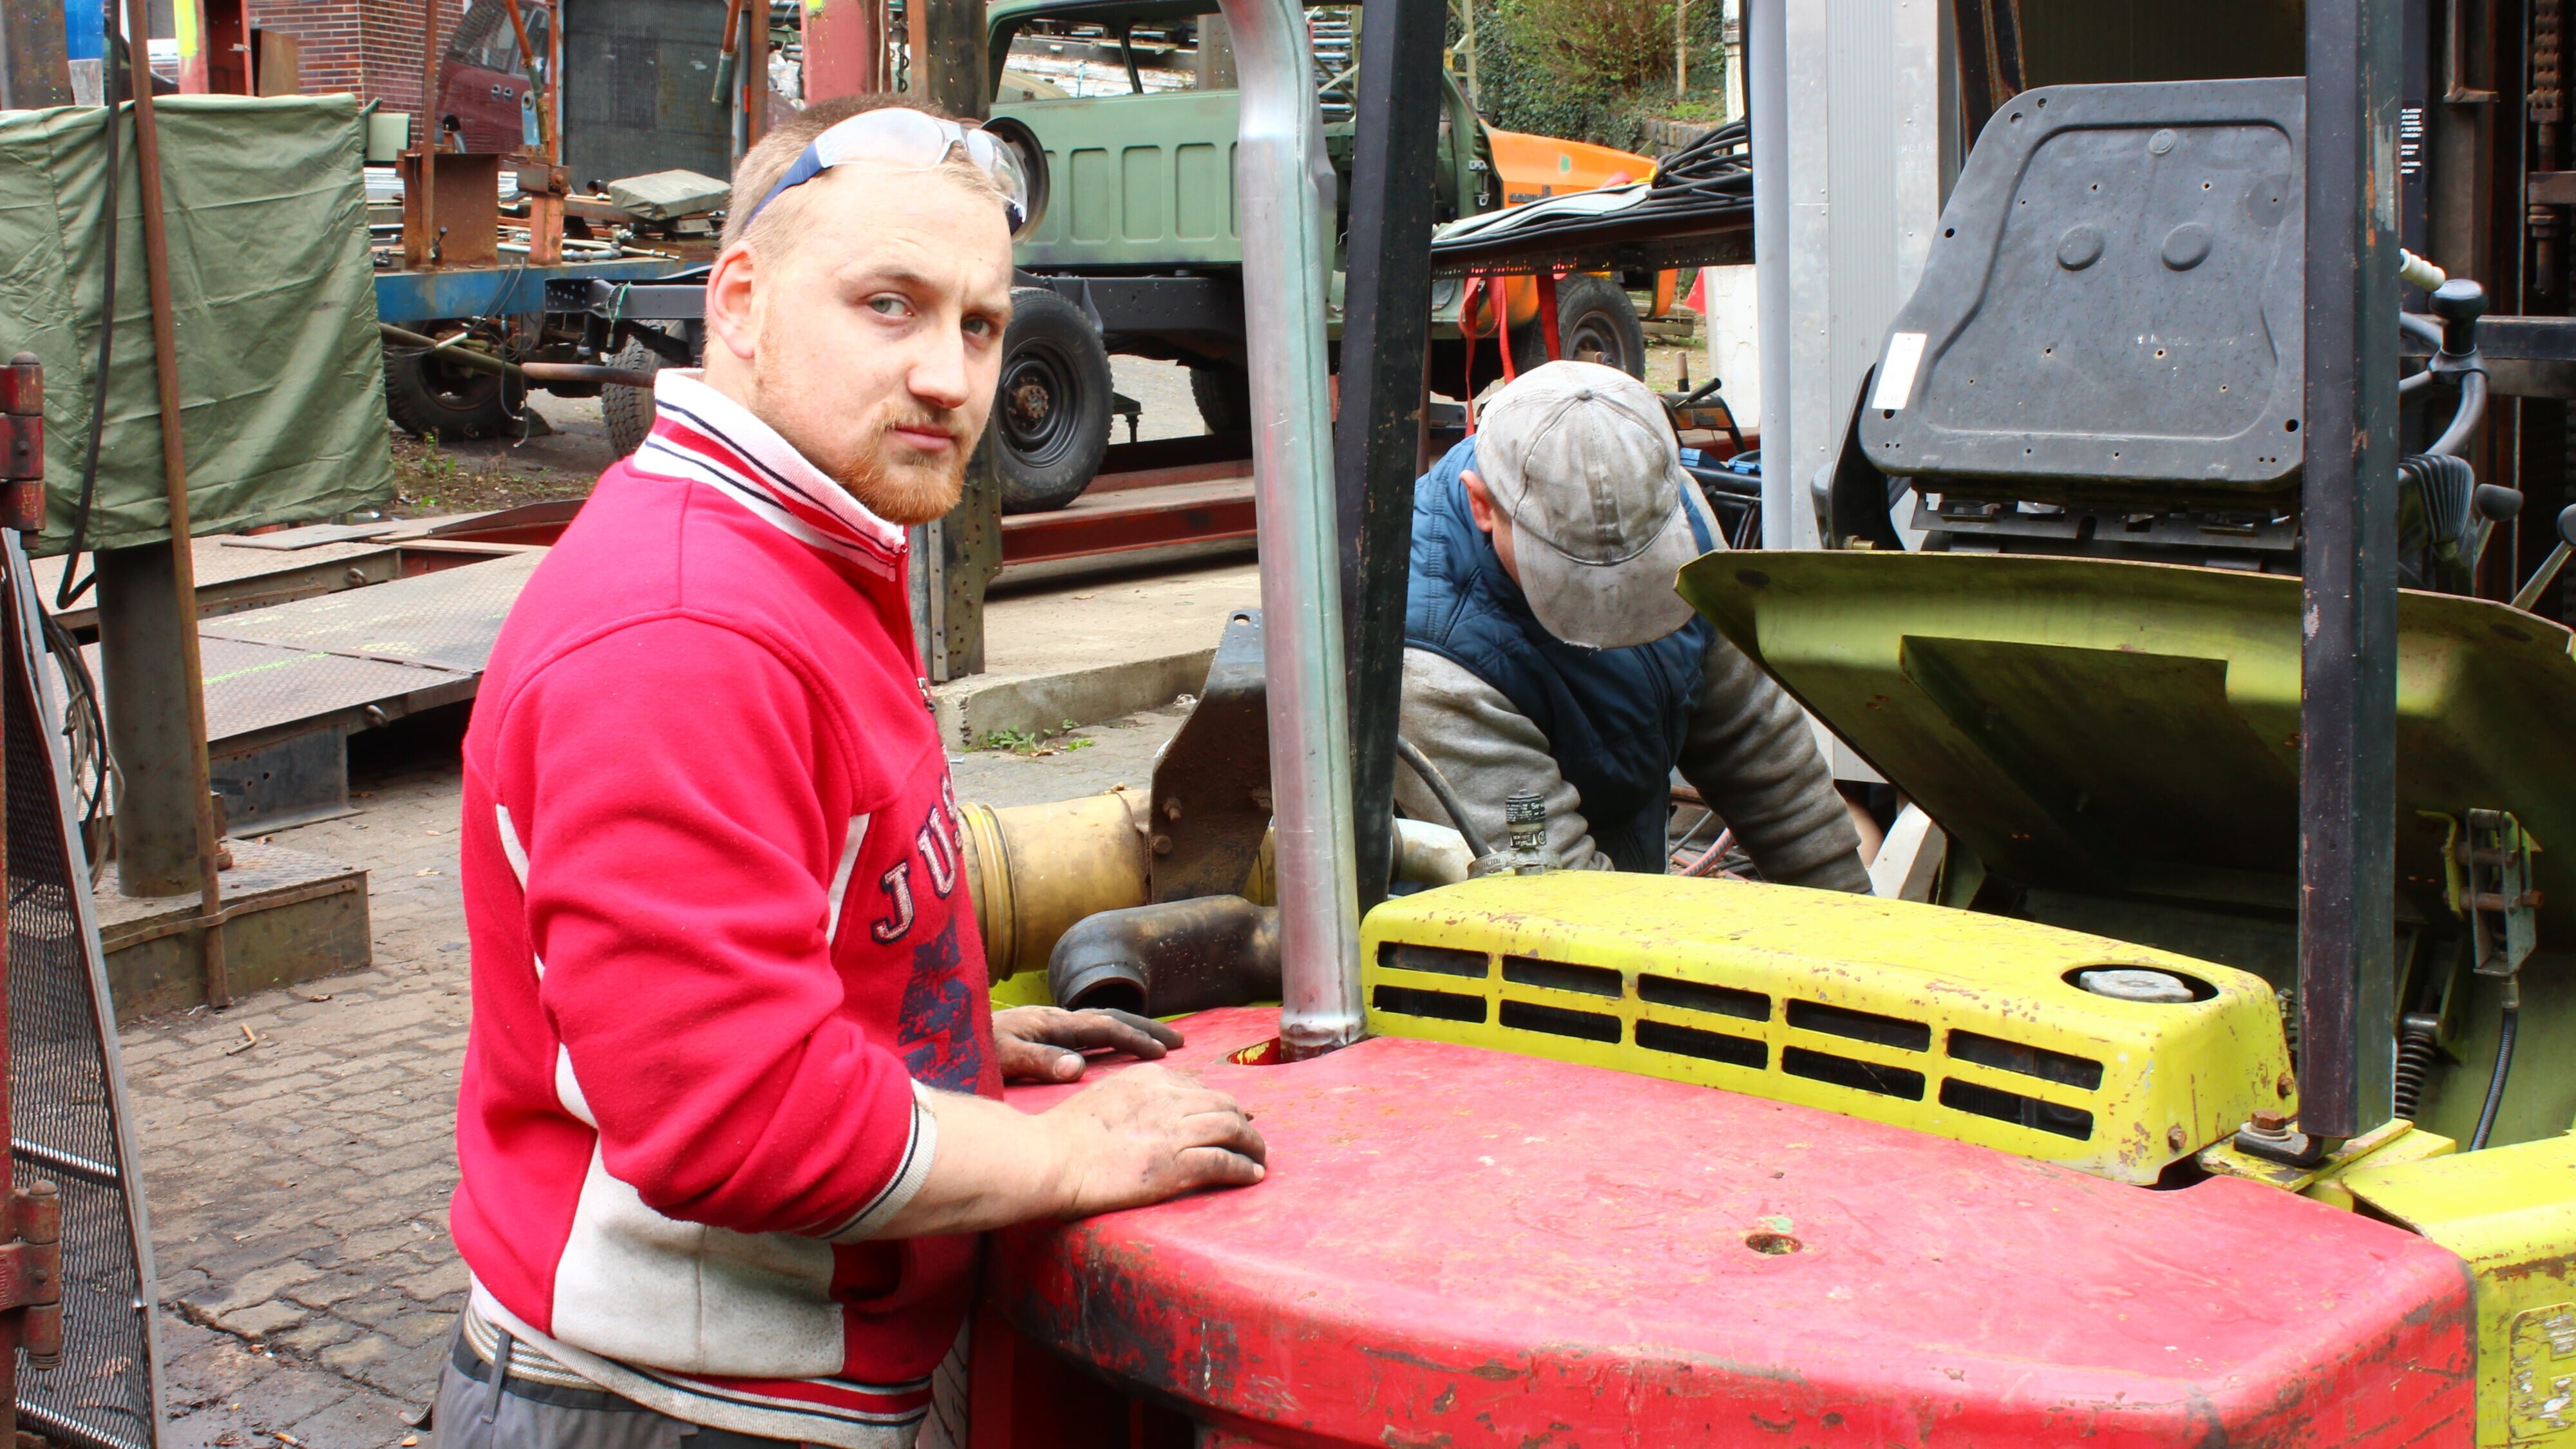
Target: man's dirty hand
(1046,1043)
(1147,1134)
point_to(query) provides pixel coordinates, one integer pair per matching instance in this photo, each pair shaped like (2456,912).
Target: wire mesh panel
(66,1087)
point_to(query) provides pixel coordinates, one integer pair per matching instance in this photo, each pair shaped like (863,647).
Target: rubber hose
(2473,410)
(1406,751)
(2495,1083)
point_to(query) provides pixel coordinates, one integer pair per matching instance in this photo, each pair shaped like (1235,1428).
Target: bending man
(1546,652)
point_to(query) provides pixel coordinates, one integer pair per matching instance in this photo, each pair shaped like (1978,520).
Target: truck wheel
(628,411)
(1224,396)
(1052,409)
(1595,322)
(428,397)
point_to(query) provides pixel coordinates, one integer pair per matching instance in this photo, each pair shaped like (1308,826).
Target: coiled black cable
(1705,184)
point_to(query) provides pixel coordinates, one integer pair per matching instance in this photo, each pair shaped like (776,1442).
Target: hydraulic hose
(2505,1033)
(2473,410)
(1412,755)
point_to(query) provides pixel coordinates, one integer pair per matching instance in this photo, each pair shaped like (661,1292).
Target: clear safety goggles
(898,136)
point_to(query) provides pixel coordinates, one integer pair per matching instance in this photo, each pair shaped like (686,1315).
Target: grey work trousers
(475,1413)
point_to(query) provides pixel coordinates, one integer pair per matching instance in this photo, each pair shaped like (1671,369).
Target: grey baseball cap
(1581,459)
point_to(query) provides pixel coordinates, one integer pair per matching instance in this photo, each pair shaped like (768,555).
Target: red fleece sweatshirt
(711,878)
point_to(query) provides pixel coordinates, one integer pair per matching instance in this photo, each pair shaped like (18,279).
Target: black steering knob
(2459,302)
(2496,502)
(2567,525)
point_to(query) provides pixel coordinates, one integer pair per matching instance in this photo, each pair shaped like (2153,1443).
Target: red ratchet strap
(1547,323)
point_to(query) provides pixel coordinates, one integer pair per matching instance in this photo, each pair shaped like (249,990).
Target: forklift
(2220,1096)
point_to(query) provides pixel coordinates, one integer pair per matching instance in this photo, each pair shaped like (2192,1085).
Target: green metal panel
(1095,201)
(1203,192)
(1139,181)
(1146,176)
(2132,729)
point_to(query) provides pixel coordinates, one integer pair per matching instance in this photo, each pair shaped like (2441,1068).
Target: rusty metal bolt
(38,1208)
(2288,1086)
(1162,844)
(2270,1121)
(2174,1138)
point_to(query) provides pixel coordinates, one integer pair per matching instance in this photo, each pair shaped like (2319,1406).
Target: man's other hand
(1147,1134)
(1046,1043)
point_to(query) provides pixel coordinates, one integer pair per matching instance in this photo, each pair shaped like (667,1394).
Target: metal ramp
(286,685)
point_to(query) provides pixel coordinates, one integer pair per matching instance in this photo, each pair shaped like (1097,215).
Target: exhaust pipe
(1279,157)
(1034,872)
(1169,959)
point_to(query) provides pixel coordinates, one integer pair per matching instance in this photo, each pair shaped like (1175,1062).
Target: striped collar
(702,436)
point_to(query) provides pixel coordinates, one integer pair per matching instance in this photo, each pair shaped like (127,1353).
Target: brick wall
(370,47)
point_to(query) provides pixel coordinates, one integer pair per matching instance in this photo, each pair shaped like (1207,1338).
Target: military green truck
(1138,253)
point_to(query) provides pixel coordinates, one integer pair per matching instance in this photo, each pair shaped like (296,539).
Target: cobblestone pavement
(298,1184)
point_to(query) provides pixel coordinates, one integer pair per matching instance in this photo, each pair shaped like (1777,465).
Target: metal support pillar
(950,72)
(1766,107)
(2348,692)
(144,678)
(1386,310)
(1287,216)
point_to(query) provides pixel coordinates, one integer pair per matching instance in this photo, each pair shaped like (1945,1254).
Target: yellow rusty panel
(1966,1026)
(2510,1212)
(2390,1142)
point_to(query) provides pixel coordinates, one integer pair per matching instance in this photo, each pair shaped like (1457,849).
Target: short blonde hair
(778,228)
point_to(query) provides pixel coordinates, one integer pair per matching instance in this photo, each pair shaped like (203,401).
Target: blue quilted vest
(1614,718)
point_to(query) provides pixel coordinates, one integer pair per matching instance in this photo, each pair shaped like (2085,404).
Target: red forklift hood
(1463,1247)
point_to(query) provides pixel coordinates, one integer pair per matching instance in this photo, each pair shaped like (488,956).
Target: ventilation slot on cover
(2030,1061)
(1699,996)
(1845,1072)
(1443,960)
(1557,1021)
(1562,976)
(2013,1107)
(1866,1026)
(1437,1005)
(1708,1046)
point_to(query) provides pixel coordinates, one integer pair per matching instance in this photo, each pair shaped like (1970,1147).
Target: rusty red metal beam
(1123,520)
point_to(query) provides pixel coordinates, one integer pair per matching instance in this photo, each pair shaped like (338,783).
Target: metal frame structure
(2348,703)
(1281,174)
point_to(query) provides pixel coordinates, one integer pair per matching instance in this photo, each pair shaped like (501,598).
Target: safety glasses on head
(900,136)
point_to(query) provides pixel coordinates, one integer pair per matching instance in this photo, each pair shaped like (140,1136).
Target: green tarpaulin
(280,371)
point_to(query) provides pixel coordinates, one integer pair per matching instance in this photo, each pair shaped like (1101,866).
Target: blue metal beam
(406,298)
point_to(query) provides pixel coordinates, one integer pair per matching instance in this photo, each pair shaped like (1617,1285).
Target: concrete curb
(973,708)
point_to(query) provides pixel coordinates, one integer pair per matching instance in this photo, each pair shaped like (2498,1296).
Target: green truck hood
(2133,728)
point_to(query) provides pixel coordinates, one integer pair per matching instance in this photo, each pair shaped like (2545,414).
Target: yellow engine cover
(1966,1026)
(2510,1213)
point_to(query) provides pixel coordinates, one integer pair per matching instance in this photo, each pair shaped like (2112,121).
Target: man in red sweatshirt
(728,1121)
